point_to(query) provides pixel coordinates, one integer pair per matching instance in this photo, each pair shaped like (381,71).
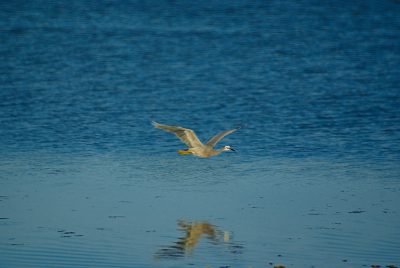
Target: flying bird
(196,147)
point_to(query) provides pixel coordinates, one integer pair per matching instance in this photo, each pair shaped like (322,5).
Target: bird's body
(196,147)
(205,151)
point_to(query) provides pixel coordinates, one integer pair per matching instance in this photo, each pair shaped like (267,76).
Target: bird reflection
(194,232)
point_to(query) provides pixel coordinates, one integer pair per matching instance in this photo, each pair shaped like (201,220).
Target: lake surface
(86,181)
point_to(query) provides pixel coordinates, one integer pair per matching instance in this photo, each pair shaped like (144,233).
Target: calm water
(86,181)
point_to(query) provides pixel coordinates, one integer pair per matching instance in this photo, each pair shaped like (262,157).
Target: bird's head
(228,148)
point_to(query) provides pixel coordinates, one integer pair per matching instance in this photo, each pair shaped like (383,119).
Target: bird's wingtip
(240,126)
(155,124)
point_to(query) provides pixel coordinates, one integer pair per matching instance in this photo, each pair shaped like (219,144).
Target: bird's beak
(232,149)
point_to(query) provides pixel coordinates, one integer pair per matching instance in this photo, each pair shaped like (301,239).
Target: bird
(196,147)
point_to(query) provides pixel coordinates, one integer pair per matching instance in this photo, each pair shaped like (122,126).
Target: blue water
(86,181)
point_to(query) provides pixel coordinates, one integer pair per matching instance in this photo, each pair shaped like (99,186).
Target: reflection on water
(83,174)
(193,233)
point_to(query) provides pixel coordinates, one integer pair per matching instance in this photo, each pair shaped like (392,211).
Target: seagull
(196,147)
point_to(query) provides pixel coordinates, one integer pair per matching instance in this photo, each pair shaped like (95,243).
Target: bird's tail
(186,151)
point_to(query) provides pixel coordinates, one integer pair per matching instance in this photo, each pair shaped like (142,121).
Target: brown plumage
(196,147)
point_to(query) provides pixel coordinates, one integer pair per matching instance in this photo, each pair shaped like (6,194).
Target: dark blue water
(86,181)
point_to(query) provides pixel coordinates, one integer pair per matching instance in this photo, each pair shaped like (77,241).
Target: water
(85,180)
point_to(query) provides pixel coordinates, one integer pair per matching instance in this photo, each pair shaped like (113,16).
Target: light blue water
(86,181)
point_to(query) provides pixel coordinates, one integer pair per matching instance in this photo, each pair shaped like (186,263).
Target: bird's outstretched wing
(186,135)
(214,140)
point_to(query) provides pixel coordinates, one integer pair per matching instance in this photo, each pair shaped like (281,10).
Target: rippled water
(86,181)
